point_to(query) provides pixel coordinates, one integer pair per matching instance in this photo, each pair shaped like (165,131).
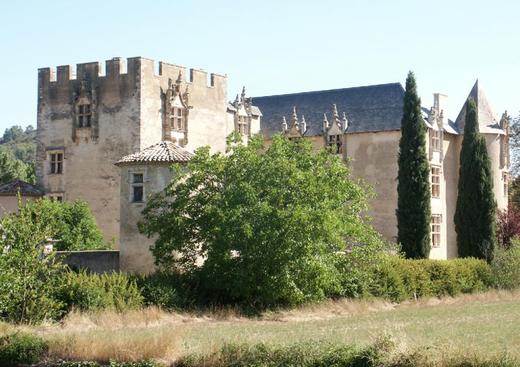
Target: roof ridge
(335,89)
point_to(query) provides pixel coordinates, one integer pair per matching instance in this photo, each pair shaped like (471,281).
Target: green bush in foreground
(93,292)
(21,348)
(506,266)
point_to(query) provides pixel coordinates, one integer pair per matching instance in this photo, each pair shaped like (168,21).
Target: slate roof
(163,152)
(25,189)
(487,119)
(368,108)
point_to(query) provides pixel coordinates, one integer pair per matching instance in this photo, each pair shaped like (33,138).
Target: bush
(21,348)
(396,279)
(166,290)
(506,266)
(112,364)
(92,292)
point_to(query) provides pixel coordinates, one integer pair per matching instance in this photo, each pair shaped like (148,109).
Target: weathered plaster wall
(135,255)
(450,178)
(373,158)
(9,203)
(493,143)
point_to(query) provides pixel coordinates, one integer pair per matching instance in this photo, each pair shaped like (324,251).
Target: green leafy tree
(13,169)
(260,226)
(413,188)
(71,223)
(475,214)
(28,277)
(13,133)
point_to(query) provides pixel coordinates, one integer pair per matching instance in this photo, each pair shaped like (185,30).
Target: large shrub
(266,221)
(169,291)
(21,348)
(92,292)
(71,223)
(506,266)
(28,276)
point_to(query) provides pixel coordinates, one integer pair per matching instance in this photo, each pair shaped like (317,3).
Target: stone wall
(96,261)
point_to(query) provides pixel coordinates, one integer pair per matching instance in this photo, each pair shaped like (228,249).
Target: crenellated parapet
(131,68)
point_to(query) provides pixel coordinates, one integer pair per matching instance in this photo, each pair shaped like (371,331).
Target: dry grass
(482,324)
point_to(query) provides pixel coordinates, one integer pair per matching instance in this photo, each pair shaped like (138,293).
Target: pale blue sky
(272,47)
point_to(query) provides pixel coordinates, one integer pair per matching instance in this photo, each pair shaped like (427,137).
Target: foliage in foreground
(17,154)
(71,223)
(475,213)
(93,292)
(381,353)
(21,348)
(27,276)
(506,266)
(413,187)
(268,222)
(508,226)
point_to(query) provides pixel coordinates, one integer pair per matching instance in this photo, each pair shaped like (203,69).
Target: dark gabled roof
(19,186)
(163,152)
(368,108)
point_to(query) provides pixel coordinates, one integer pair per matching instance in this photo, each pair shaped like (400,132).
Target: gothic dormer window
(175,125)
(242,106)
(296,129)
(84,112)
(334,130)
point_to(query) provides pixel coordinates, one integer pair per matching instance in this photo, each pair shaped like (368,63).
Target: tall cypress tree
(413,189)
(475,221)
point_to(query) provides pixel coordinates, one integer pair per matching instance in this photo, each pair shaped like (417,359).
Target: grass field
(486,325)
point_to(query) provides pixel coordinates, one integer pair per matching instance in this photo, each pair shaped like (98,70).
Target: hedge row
(400,279)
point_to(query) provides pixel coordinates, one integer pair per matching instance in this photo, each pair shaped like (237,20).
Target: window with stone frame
(137,188)
(436,181)
(56,197)
(84,115)
(243,125)
(178,119)
(436,140)
(436,223)
(334,141)
(56,163)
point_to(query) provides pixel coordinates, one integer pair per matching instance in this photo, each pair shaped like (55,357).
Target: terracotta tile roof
(163,152)
(25,189)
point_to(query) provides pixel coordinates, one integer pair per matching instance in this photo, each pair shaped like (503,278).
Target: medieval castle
(108,137)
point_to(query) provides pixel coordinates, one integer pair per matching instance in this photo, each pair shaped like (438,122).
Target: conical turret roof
(487,119)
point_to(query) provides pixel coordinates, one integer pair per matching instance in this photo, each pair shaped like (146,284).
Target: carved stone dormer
(504,143)
(295,129)
(243,114)
(84,112)
(176,111)
(436,133)
(333,131)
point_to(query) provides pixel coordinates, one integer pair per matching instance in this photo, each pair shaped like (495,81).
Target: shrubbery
(92,292)
(506,266)
(21,348)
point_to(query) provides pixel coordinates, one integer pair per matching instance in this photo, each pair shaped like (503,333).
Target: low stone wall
(94,261)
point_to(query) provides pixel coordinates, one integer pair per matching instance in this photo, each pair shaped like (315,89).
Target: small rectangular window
(436,140)
(436,181)
(56,163)
(137,188)
(436,230)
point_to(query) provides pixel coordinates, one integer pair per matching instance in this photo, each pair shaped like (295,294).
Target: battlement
(137,67)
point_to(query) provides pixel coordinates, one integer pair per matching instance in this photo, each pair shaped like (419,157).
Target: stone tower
(88,118)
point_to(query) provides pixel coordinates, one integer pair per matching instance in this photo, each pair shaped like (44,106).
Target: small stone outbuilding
(142,174)
(9,195)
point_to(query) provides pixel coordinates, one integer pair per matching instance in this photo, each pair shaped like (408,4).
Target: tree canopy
(475,214)
(261,225)
(17,155)
(413,187)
